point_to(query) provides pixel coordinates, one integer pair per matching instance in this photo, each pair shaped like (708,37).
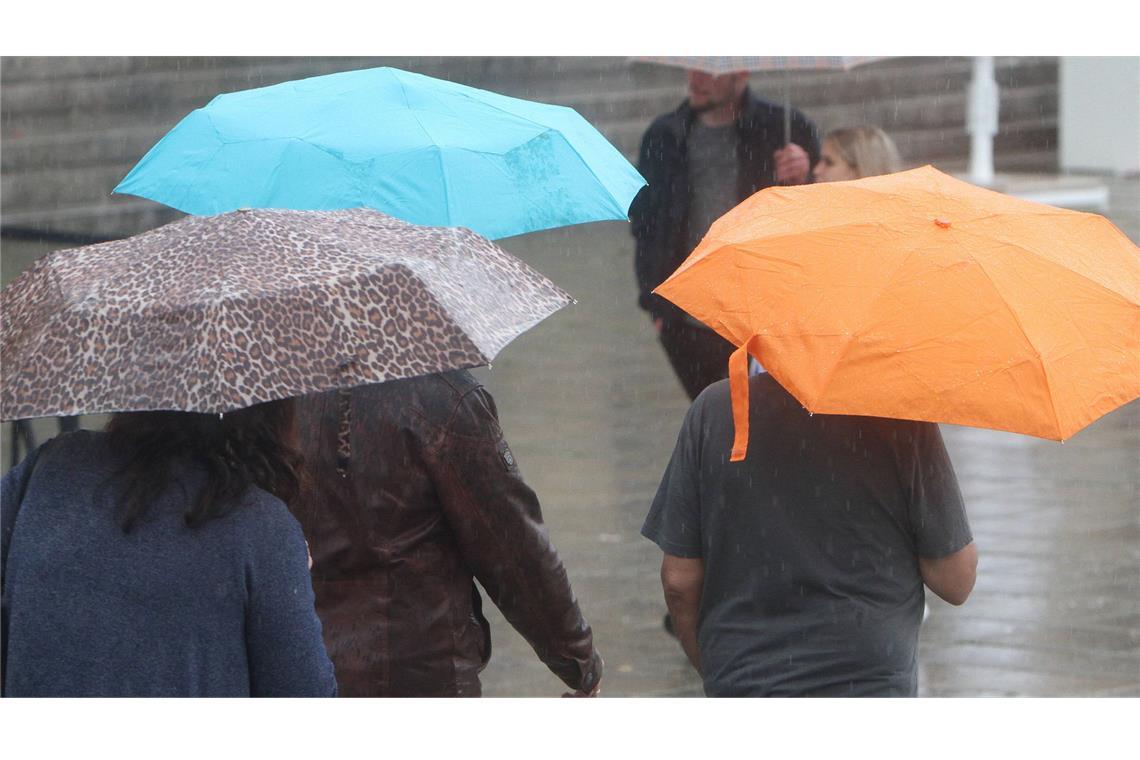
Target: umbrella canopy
(719,65)
(422,149)
(211,314)
(726,64)
(917,296)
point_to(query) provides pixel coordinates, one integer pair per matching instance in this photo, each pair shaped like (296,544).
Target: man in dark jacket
(431,497)
(716,149)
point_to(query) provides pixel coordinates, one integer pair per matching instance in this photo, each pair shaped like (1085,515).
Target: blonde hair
(868,150)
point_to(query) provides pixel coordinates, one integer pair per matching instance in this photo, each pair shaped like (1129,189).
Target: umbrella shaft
(787,109)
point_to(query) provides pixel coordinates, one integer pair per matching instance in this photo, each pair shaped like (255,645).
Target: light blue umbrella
(424,150)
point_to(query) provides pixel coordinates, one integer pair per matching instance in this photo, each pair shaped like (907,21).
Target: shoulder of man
(671,123)
(457,382)
(425,402)
(421,390)
(460,405)
(714,402)
(759,112)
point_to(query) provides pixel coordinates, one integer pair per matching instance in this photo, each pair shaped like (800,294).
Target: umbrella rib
(870,304)
(1034,255)
(1098,286)
(218,307)
(593,174)
(512,114)
(408,105)
(1025,334)
(438,152)
(582,161)
(721,235)
(469,96)
(446,183)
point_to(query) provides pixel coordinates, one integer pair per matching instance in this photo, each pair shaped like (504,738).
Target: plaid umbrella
(726,64)
(211,314)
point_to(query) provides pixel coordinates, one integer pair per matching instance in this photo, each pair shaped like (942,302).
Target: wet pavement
(591,409)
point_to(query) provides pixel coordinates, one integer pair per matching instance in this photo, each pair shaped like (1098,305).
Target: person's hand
(597,684)
(595,692)
(792,165)
(309,554)
(658,324)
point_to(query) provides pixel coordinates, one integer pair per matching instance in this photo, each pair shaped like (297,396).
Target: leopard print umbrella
(212,314)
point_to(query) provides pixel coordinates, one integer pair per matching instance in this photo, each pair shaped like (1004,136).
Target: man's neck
(723,115)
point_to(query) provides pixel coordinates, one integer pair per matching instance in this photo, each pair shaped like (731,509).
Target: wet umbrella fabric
(726,64)
(422,149)
(718,65)
(918,296)
(211,314)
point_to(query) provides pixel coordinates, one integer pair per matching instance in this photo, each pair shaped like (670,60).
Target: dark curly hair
(256,446)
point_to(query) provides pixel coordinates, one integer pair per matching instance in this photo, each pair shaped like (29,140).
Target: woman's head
(854,153)
(247,447)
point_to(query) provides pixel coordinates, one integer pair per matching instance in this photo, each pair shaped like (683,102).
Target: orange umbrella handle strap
(738,391)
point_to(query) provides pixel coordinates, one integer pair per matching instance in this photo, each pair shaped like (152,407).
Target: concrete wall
(71,128)
(1099,121)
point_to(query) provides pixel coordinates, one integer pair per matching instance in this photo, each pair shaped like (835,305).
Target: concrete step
(163,95)
(1029,161)
(913,111)
(78,149)
(917,145)
(890,78)
(110,218)
(51,104)
(73,127)
(56,180)
(30,111)
(58,186)
(117,144)
(17,70)
(117,216)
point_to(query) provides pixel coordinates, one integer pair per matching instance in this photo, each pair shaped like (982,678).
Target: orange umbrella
(917,296)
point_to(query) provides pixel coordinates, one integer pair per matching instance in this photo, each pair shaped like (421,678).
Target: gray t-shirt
(713,170)
(810,544)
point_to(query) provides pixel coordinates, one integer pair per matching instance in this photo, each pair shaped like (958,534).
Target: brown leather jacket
(432,497)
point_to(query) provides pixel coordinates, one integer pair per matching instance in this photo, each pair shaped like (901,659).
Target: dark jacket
(432,498)
(660,212)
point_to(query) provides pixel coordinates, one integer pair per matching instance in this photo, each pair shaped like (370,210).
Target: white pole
(982,121)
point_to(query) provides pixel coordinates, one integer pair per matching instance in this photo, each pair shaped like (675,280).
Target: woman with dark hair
(159,559)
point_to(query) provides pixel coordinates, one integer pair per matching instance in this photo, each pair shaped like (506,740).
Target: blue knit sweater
(222,610)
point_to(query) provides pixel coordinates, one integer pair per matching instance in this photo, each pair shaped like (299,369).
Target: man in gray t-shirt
(800,570)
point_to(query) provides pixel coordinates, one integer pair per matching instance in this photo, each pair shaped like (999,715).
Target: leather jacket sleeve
(498,527)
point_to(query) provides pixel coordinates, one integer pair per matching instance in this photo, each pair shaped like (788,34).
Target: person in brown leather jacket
(430,498)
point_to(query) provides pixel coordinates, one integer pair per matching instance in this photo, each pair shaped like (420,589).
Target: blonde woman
(854,153)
